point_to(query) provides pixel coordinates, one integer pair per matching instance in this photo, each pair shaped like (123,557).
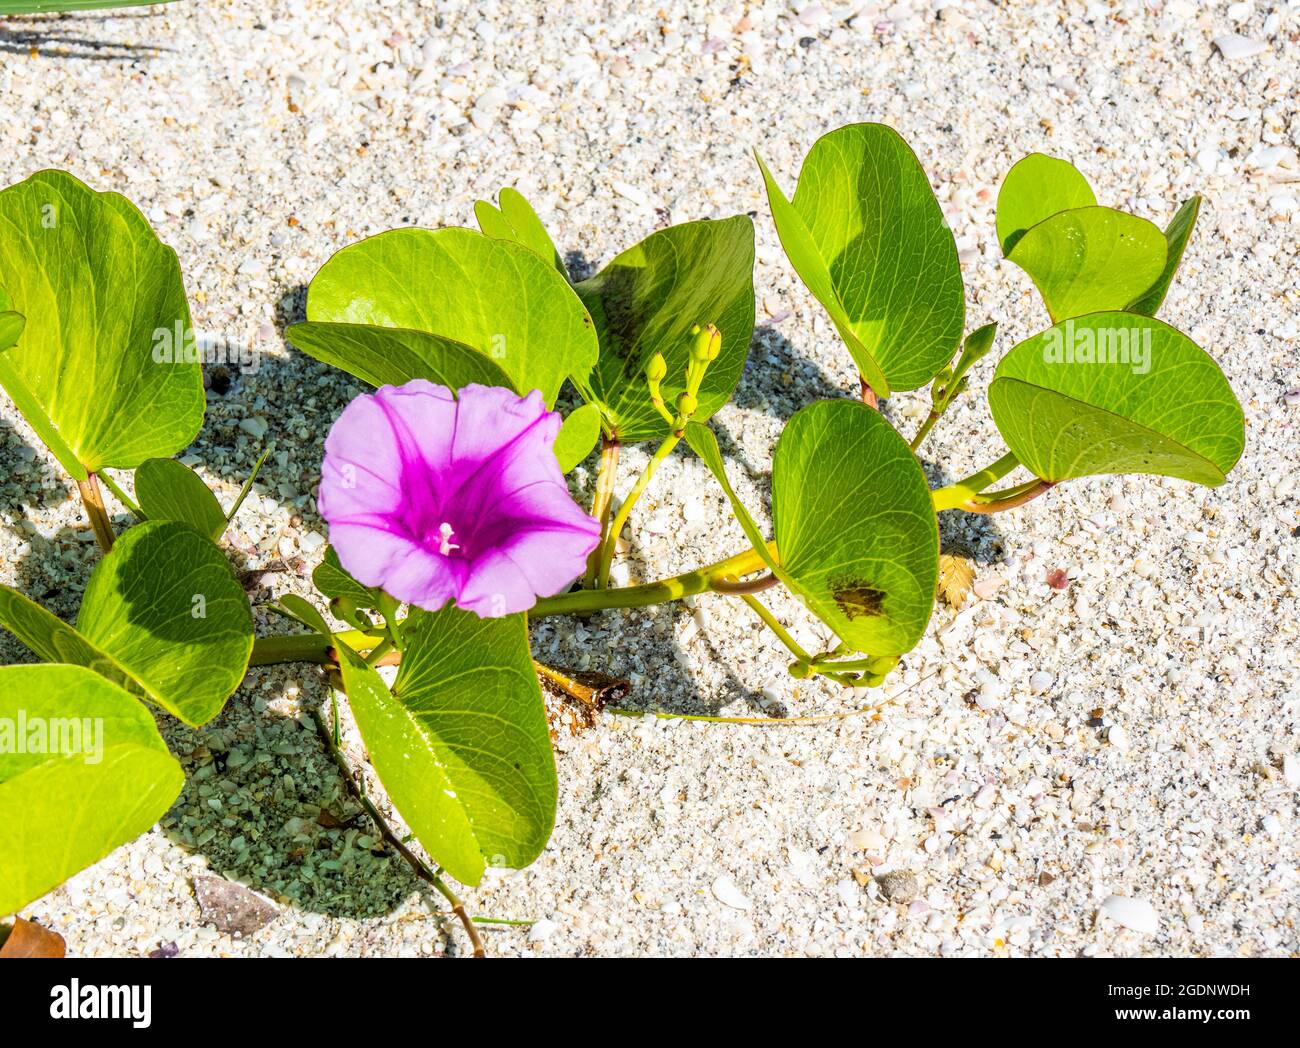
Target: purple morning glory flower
(434,496)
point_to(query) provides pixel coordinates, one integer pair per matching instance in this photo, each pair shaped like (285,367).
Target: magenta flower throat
(433,498)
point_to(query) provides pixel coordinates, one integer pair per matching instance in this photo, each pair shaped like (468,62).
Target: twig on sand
(417,864)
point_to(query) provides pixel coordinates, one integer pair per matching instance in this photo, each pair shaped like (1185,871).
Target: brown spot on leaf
(858,600)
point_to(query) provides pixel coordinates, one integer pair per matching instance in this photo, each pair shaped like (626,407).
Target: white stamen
(446,546)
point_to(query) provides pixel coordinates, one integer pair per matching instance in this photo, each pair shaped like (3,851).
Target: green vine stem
(782,634)
(924,431)
(418,865)
(721,577)
(603,501)
(625,510)
(955,496)
(316,647)
(122,496)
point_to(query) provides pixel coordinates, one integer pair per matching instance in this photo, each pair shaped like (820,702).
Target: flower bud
(656,368)
(686,404)
(707,344)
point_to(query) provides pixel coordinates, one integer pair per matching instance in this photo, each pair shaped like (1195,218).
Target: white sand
(261,136)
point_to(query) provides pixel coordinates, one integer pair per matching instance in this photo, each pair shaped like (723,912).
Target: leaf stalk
(93,499)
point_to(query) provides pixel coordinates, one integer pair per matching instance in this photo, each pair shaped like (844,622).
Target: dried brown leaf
(956,574)
(28,939)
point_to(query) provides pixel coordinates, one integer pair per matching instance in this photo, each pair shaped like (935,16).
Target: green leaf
(868,238)
(1117,393)
(393,356)
(516,220)
(578,436)
(1176,237)
(170,490)
(104,298)
(461,744)
(163,616)
(11,325)
(105,780)
(647,300)
(1037,188)
(494,296)
(1090,259)
(856,530)
(24,7)
(334,583)
(301,610)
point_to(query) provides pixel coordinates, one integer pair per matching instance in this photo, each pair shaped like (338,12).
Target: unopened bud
(656,368)
(686,404)
(707,344)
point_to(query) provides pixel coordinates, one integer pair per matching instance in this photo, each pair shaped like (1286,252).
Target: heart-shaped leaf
(163,616)
(1036,188)
(577,436)
(495,296)
(82,770)
(516,220)
(461,743)
(1176,237)
(856,531)
(105,360)
(1117,393)
(647,300)
(392,356)
(170,490)
(868,238)
(1090,260)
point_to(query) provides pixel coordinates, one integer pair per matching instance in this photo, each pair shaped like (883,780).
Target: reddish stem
(1011,501)
(869,395)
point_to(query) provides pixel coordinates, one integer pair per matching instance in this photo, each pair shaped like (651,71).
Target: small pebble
(898,886)
(231,908)
(255,426)
(726,892)
(1135,914)
(1234,46)
(1291,770)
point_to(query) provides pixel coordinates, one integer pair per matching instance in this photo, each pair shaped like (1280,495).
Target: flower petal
(401,568)
(552,557)
(495,587)
(362,466)
(489,418)
(423,417)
